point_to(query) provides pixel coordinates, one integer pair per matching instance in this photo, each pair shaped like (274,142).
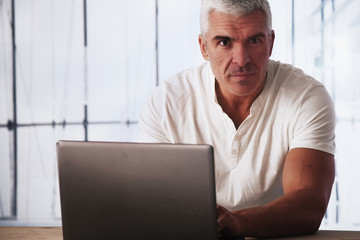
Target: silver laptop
(136,191)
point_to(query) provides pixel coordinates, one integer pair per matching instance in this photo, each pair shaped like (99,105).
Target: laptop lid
(136,191)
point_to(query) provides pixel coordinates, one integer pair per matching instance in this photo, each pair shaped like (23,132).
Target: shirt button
(237,138)
(234,152)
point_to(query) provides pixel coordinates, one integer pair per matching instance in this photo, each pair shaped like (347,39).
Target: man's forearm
(296,213)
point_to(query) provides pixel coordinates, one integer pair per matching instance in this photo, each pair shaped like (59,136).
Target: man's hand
(228,225)
(222,214)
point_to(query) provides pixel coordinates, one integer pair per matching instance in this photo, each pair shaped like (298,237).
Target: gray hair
(233,7)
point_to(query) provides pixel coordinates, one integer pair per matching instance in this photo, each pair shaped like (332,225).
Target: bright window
(105,74)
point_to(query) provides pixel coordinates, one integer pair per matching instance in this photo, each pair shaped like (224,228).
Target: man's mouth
(242,75)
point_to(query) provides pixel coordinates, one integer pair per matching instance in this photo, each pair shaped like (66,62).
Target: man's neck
(236,107)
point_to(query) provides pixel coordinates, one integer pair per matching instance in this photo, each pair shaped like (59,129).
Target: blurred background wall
(83,69)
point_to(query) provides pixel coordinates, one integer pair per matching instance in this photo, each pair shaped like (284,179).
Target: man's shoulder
(291,87)
(286,73)
(293,83)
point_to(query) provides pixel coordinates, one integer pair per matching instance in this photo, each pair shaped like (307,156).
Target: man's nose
(241,55)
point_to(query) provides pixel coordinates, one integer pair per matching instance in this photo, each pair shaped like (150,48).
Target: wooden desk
(55,233)
(31,233)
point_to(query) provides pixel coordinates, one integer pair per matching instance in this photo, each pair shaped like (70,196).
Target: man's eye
(254,41)
(224,43)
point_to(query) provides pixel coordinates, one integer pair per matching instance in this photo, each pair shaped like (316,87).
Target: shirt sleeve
(314,122)
(150,123)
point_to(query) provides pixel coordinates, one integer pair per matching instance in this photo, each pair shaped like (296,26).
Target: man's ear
(203,48)
(272,39)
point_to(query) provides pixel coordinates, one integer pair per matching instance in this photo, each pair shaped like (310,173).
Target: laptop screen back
(136,191)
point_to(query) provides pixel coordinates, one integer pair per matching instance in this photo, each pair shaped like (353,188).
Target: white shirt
(292,111)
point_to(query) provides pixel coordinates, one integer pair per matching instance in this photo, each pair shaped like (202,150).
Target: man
(272,126)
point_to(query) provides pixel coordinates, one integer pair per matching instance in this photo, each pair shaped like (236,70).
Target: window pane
(179,29)
(6,173)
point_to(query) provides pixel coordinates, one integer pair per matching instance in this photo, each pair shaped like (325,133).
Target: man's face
(238,49)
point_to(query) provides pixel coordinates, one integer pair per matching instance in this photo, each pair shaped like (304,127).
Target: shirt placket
(235,148)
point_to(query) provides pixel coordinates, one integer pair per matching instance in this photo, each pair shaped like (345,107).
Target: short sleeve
(150,123)
(314,122)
